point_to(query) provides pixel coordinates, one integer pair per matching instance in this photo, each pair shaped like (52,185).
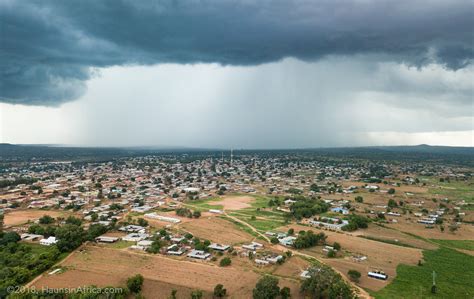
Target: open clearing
(217,230)
(103,266)
(18,217)
(235,202)
(380,256)
(391,235)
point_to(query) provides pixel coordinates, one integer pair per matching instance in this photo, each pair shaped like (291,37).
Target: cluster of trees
(355,222)
(308,239)
(17,181)
(185,212)
(267,288)
(325,283)
(20,262)
(305,208)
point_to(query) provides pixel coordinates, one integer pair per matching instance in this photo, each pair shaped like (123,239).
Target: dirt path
(361,292)
(55,265)
(248,225)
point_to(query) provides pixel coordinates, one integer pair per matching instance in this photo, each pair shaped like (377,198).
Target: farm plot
(19,217)
(104,266)
(217,230)
(381,256)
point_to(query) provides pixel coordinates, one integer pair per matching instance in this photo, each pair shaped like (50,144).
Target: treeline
(307,207)
(355,222)
(20,262)
(17,181)
(306,239)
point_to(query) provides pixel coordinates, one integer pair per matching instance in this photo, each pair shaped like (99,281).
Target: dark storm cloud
(48,48)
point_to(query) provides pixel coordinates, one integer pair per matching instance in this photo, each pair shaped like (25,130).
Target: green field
(204,205)
(459,244)
(262,220)
(454,190)
(454,277)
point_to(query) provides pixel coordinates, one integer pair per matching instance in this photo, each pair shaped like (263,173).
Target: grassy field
(454,190)
(204,204)
(459,244)
(262,220)
(454,277)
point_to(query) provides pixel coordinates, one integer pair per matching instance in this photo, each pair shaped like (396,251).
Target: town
(235,223)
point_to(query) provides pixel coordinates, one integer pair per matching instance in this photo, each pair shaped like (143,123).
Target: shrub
(135,283)
(219,291)
(225,262)
(354,275)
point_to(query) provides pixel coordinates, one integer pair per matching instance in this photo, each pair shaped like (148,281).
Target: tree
(331,253)
(266,288)
(135,283)
(359,199)
(142,222)
(354,275)
(285,293)
(173,294)
(392,203)
(69,237)
(336,246)
(73,220)
(197,294)
(196,214)
(391,191)
(155,247)
(219,291)
(225,262)
(274,240)
(95,230)
(291,232)
(325,283)
(46,219)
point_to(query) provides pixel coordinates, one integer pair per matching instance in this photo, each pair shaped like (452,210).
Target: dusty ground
(19,217)
(380,256)
(235,202)
(217,230)
(105,266)
(391,234)
(465,231)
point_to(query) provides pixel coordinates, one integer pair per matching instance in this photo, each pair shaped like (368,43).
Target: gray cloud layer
(48,49)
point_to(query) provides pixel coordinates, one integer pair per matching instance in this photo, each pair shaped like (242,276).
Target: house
(145,243)
(261,262)
(219,247)
(274,259)
(340,210)
(199,254)
(132,228)
(49,241)
(31,237)
(305,274)
(162,218)
(177,239)
(174,250)
(329,223)
(287,241)
(106,239)
(135,237)
(214,211)
(252,246)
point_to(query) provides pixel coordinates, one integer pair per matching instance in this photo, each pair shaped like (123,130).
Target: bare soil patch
(104,266)
(235,202)
(217,230)
(19,217)
(380,256)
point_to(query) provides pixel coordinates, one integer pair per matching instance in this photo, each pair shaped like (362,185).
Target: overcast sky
(241,74)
